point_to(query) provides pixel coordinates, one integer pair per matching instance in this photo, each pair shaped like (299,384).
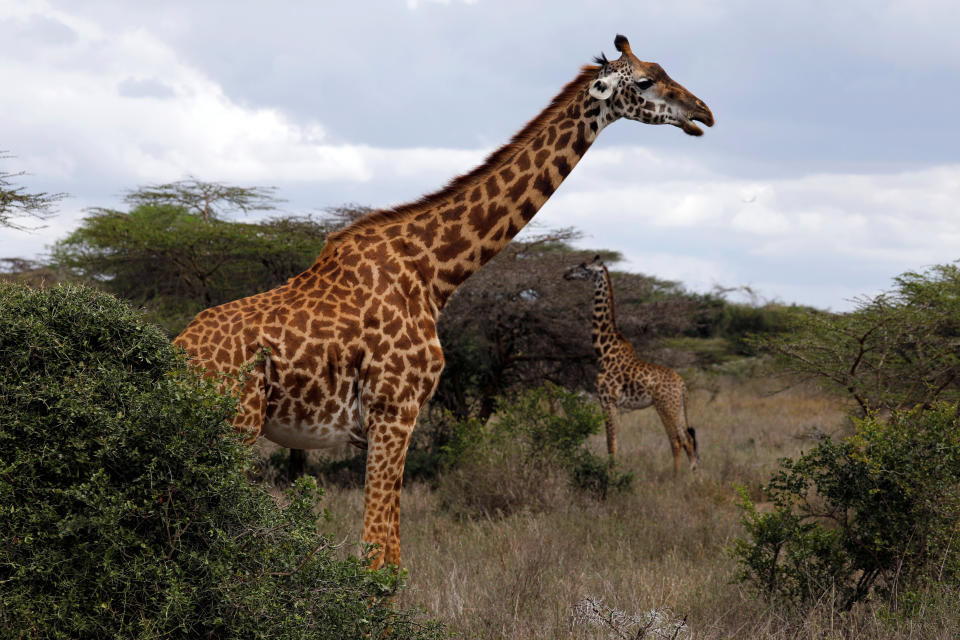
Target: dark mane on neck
(494,161)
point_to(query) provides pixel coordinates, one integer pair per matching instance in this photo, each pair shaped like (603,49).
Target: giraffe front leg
(611,414)
(387,439)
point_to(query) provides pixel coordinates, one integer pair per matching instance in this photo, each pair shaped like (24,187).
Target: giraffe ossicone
(352,343)
(624,381)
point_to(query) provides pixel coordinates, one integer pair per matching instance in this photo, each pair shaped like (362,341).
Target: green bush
(877,512)
(533,448)
(125,508)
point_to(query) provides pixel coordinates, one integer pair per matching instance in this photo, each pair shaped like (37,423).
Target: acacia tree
(895,351)
(16,202)
(342,215)
(209,200)
(175,263)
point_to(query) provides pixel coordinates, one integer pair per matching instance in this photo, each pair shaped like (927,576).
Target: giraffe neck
(449,235)
(603,331)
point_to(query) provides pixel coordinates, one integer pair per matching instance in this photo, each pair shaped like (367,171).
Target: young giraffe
(627,382)
(351,344)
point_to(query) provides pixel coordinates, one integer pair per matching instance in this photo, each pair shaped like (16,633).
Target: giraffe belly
(636,402)
(307,436)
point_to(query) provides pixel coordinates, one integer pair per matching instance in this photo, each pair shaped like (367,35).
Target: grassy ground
(660,547)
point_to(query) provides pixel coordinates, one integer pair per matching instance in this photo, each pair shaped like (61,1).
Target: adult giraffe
(351,343)
(627,382)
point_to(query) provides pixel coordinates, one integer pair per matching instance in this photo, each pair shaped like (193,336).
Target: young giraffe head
(584,271)
(631,88)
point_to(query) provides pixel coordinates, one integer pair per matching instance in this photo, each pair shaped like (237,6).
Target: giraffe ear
(602,88)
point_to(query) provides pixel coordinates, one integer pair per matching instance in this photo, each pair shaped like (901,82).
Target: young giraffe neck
(606,338)
(449,235)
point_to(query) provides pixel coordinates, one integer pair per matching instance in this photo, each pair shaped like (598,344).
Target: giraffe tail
(690,430)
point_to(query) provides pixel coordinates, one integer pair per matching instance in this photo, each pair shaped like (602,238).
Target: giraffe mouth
(686,122)
(689,128)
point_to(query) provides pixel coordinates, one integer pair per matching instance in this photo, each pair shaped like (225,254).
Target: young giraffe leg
(676,433)
(690,439)
(387,439)
(611,414)
(670,418)
(692,456)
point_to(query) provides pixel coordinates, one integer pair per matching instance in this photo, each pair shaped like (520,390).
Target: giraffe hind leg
(678,442)
(690,442)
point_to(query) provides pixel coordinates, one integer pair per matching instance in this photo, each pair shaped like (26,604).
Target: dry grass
(660,547)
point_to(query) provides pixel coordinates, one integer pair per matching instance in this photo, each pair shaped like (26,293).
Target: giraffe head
(585,271)
(631,88)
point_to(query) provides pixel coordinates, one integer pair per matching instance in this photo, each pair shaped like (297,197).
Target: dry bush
(620,625)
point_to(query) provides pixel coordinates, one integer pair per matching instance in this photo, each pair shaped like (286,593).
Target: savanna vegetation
(828,504)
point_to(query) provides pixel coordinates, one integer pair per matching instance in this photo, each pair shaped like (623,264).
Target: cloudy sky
(834,164)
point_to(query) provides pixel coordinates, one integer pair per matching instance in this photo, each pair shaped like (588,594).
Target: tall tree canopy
(175,263)
(209,200)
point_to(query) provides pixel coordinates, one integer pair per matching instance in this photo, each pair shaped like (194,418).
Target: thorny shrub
(878,512)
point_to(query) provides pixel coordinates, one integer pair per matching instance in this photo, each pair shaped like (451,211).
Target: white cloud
(416,4)
(696,273)
(906,208)
(815,235)
(760,220)
(122,108)
(148,116)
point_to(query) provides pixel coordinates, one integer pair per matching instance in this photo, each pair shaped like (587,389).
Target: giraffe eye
(644,84)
